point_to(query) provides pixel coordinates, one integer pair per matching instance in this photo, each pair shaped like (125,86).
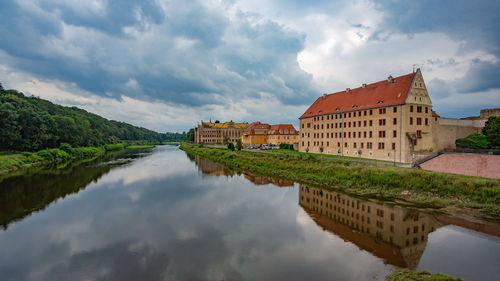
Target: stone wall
(448,130)
(486,166)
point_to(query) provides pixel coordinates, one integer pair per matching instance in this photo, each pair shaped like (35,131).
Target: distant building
(255,134)
(282,133)
(386,120)
(213,133)
(259,133)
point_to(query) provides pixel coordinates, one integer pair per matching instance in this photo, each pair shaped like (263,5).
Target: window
(371,112)
(393,146)
(349,124)
(364,113)
(419,121)
(369,145)
(338,144)
(395,109)
(354,114)
(411,108)
(419,133)
(359,134)
(381,122)
(371,123)
(345,144)
(364,123)
(354,145)
(359,123)
(426,110)
(349,135)
(381,111)
(381,134)
(371,135)
(426,122)
(381,145)
(364,134)
(419,109)
(395,121)
(361,145)
(411,120)
(394,133)
(322,126)
(354,124)
(302,125)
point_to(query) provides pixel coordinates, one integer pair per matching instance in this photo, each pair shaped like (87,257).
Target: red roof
(434,114)
(382,93)
(257,125)
(277,127)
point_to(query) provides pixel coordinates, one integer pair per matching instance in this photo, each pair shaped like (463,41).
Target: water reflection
(33,190)
(395,234)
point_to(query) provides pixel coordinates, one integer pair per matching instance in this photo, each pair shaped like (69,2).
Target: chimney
(363,86)
(324,95)
(347,90)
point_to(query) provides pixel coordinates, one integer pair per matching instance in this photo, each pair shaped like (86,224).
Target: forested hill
(30,124)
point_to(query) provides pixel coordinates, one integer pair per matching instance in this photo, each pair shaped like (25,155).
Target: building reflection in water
(395,234)
(210,168)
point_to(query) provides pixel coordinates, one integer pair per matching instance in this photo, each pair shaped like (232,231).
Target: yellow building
(255,134)
(282,133)
(214,133)
(386,120)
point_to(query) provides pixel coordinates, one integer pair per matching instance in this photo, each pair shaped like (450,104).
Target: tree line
(31,124)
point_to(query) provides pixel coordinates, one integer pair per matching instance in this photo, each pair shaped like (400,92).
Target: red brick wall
(479,165)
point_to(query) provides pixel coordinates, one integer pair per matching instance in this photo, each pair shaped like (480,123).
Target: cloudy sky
(166,64)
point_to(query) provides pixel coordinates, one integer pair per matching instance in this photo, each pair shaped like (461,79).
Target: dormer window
(380,101)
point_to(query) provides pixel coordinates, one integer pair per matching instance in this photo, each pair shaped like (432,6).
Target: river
(159,214)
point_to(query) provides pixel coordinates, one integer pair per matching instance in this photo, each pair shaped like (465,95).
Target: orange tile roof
(258,125)
(434,114)
(382,93)
(275,129)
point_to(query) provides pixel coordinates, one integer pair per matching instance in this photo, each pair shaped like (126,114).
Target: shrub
(286,146)
(230,146)
(239,145)
(112,147)
(48,154)
(66,147)
(62,156)
(475,141)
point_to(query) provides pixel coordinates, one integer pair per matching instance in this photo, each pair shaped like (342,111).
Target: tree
(226,140)
(491,130)
(1,87)
(190,135)
(230,146)
(475,141)
(239,145)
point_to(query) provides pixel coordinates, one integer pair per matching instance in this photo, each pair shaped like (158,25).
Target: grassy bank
(61,156)
(428,188)
(406,274)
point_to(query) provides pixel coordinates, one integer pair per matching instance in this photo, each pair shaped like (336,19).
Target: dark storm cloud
(185,53)
(475,23)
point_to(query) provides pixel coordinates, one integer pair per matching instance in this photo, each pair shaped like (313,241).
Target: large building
(386,120)
(214,133)
(255,134)
(282,133)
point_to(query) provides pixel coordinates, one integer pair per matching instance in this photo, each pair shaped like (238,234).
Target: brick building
(386,120)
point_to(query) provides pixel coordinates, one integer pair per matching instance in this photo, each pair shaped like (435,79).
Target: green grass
(410,275)
(139,146)
(426,188)
(60,157)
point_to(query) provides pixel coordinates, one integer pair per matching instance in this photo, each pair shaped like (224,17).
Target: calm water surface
(163,215)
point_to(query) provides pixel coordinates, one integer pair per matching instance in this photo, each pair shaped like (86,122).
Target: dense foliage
(31,124)
(492,131)
(476,141)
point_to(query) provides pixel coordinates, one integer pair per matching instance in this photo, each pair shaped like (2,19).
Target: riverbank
(406,274)
(65,154)
(425,188)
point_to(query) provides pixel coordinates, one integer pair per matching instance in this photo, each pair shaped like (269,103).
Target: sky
(168,64)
